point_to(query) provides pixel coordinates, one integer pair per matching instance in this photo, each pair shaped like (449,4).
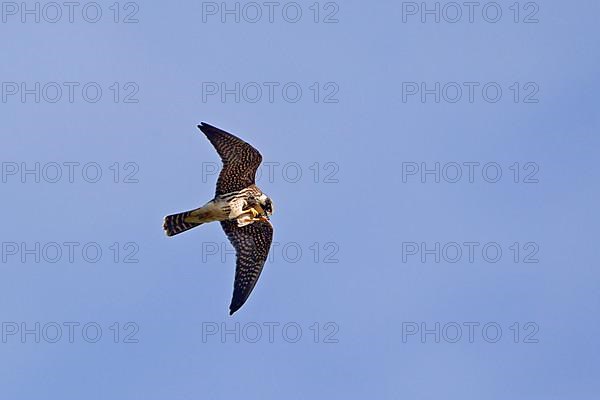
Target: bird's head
(267,205)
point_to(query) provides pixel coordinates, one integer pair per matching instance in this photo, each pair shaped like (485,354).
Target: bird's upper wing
(251,243)
(240,160)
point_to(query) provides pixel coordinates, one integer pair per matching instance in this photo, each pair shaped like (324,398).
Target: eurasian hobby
(241,207)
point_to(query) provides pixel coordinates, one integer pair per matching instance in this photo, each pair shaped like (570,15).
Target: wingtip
(205,128)
(234,307)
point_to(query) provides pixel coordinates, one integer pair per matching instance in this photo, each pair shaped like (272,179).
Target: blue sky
(362,170)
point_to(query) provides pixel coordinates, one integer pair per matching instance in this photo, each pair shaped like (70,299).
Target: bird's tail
(178,223)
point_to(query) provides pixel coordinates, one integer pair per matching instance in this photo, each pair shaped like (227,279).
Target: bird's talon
(253,211)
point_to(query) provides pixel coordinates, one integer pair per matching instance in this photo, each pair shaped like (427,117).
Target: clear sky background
(343,270)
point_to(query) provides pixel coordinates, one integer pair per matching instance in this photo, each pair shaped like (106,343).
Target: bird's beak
(264,218)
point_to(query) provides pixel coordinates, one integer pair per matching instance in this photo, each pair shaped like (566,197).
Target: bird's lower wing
(252,243)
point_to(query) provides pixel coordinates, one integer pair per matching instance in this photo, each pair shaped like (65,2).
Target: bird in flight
(241,207)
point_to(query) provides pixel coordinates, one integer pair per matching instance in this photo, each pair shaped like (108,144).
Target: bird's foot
(254,212)
(249,216)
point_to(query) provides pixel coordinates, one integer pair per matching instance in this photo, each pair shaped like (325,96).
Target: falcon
(240,206)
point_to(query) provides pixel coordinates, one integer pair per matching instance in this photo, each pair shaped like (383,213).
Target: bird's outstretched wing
(251,243)
(240,160)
